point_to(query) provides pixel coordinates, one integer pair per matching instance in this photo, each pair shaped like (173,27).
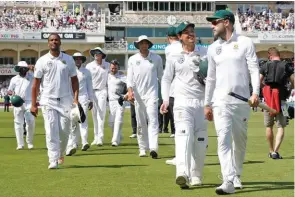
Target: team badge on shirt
(236,46)
(180,60)
(150,61)
(64,61)
(49,64)
(218,50)
(137,63)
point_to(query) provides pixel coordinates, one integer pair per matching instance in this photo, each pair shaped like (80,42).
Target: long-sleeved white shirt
(143,75)
(99,74)
(178,69)
(229,64)
(22,86)
(173,47)
(115,84)
(85,83)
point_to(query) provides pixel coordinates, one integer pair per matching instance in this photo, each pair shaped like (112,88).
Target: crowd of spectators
(266,20)
(52,19)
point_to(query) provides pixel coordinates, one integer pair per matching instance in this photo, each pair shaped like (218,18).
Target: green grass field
(110,172)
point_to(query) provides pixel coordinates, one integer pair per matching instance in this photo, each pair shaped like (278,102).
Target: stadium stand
(37,19)
(266,21)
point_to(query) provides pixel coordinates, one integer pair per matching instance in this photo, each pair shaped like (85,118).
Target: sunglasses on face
(216,22)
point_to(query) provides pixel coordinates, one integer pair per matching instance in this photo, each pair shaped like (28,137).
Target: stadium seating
(37,19)
(253,22)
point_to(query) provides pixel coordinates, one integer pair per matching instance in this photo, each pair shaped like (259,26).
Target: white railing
(116,46)
(155,20)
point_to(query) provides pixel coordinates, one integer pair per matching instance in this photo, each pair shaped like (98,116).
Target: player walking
(230,59)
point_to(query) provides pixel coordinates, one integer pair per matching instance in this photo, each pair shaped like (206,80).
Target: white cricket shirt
(143,74)
(85,83)
(99,74)
(173,47)
(178,69)
(229,65)
(55,74)
(115,84)
(22,86)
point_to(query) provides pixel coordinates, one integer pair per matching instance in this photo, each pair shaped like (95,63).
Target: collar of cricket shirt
(232,38)
(192,53)
(52,57)
(148,57)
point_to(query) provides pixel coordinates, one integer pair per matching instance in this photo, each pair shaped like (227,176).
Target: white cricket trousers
(98,114)
(191,137)
(22,114)
(116,120)
(231,123)
(56,113)
(80,129)
(147,123)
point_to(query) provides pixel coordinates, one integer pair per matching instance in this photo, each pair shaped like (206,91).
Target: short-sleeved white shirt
(55,74)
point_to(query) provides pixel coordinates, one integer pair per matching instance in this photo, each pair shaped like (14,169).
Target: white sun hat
(141,38)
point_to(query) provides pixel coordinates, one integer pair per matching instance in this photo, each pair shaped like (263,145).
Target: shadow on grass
(111,148)
(245,163)
(261,186)
(203,186)
(102,166)
(292,157)
(7,137)
(99,153)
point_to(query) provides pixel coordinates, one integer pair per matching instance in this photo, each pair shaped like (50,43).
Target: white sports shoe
(19,147)
(114,144)
(226,188)
(182,181)
(171,162)
(94,143)
(142,153)
(53,165)
(30,146)
(71,151)
(172,135)
(196,181)
(133,136)
(238,183)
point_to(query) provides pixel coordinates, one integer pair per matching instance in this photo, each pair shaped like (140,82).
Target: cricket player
(86,101)
(21,85)
(116,82)
(230,60)
(145,70)
(191,135)
(99,70)
(175,47)
(56,72)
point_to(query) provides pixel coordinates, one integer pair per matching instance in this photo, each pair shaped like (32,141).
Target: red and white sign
(7,71)
(11,35)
